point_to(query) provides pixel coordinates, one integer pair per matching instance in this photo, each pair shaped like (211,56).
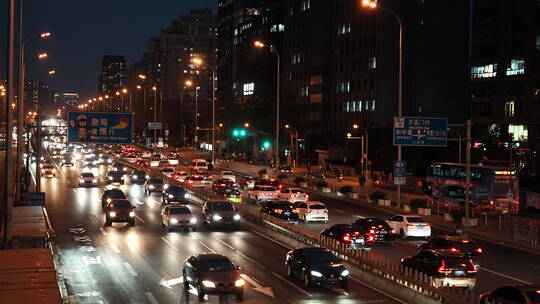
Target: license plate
(286,213)
(419,227)
(359,240)
(459,273)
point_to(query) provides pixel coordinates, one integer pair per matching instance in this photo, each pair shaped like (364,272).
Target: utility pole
(38,153)
(468,172)
(20,106)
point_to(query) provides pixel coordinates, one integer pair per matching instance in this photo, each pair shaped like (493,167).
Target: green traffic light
(242,132)
(235,133)
(266,144)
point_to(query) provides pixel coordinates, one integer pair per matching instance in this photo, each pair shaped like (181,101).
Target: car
(247,182)
(513,294)
(154,184)
(312,211)
(138,176)
(222,182)
(381,231)
(105,160)
(195,181)
(117,166)
(230,193)
(146,154)
(180,175)
(90,161)
(262,193)
(175,194)
(293,195)
(168,171)
(131,158)
(109,195)
(212,273)
(461,243)
(448,268)
(228,175)
(177,216)
(282,210)
(119,210)
(315,176)
(165,164)
(173,160)
(207,177)
(410,226)
(285,170)
(87,179)
(142,163)
(316,266)
(220,213)
(67,162)
(48,171)
(115,177)
(270,182)
(198,165)
(354,237)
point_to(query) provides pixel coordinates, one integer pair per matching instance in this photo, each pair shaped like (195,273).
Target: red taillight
(474,270)
(296,211)
(479,250)
(442,269)
(278,211)
(372,231)
(392,231)
(371,238)
(453,249)
(347,238)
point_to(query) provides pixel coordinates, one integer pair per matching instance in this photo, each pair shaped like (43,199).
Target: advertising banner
(100,127)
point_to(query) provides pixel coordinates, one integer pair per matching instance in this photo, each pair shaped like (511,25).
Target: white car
(48,170)
(173,160)
(262,193)
(410,226)
(177,216)
(195,181)
(312,211)
(180,175)
(87,179)
(293,195)
(228,175)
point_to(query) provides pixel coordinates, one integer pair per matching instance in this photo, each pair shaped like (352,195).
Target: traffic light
(266,144)
(239,133)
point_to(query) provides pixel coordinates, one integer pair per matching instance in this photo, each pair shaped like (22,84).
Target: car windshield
(176,190)
(48,167)
(225,206)
(201,164)
(267,188)
(216,265)
(115,173)
(297,191)
(317,207)
(87,174)
(320,256)
(281,206)
(155,181)
(180,211)
(139,173)
(415,219)
(457,262)
(122,204)
(116,194)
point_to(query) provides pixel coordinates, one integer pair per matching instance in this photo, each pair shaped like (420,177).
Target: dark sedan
(522,294)
(354,237)
(230,193)
(457,243)
(110,195)
(381,231)
(119,210)
(283,210)
(115,177)
(175,194)
(138,176)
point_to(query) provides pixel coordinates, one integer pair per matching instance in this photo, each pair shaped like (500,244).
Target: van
(199,165)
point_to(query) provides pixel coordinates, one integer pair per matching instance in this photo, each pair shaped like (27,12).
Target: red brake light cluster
(474,270)
(278,211)
(479,250)
(443,269)
(346,238)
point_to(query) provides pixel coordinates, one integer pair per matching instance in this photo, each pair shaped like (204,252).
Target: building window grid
(359,106)
(516,67)
(509,109)
(518,132)
(486,71)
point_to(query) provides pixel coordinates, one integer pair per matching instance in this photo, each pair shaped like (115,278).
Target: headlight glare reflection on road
(131,214)
(239,283)
(216,217)
(236,217)
(316,273)
(345,273)
(112,214)
(209,284)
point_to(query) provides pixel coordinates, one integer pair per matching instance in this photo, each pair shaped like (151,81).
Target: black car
(220,213)
(458,243)
(110,195)
(119,210)
(514,294)
(274,182)
(138,176)
(115,177)
(154,184)
(119,167)
(175,194)
(448,268)
(285,170)
(381,231)
(222,182)
(229,193)
(212,273)
(283,210)
(210,164)
(354,236)
(316,266)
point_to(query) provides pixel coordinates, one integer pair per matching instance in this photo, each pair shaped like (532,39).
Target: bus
(494,189)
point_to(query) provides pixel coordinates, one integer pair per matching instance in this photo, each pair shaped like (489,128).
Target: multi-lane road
(142,264)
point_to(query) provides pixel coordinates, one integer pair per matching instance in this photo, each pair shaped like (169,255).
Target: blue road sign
(400,172)
(420,131)
(100,127)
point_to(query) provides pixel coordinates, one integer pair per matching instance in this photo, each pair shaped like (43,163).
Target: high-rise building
(112,75)
(32,95)
(66,100)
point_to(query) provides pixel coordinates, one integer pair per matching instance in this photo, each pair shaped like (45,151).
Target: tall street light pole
(154,88)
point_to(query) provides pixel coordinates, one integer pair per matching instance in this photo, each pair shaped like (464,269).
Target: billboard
(100,127)
(420,131)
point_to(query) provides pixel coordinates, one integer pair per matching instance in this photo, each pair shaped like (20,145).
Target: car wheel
(200,293)
(132,223)
(307,281)
(344,285)
(289,271)
(240,296)
(402,233)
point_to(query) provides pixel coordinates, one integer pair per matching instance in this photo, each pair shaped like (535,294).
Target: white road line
(292,284)
(155,202)
(250,259)
(103,231)
(140,219)
(505,276)
(130,269)
(277,242)
(337,210)
(151,298)
(211,250)
(168,243)
(114,247)
(222,242)
(378,290)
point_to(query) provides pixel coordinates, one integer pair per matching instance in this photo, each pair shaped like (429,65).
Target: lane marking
(130,269)
(292,284)
(250,259)
(340,211)
(277,242)
(150,297)
(140,219)
(505,276)
(114,247)
(168,243)
(211,250)
(377,290)
(222,242)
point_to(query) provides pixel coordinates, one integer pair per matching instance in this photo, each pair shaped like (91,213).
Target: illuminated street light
(355,126)
(188,83)
(124,90)
(45,35)
(139,87)
(117,93)
(141,76)
(259,44)
(154,88)
(197,61)
(369,3)
(246,124)
(42,55)
(52,72)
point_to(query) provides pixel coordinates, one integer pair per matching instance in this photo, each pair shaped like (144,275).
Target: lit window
(373,105)
(249,88)
(538,43)
(273,28)
(516,67)
(344,28)
(509,108)
(359,105)
(305,5)
(372,64)
(518,132)
(281,27)
(485,71)
(304,91)
(291,11)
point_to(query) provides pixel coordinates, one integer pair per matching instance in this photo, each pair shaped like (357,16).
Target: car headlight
(131,214)
(209,284)
(124,169)
(165,186)
(171,196)
(345,273)
(193,220)
(186,195)
(147,176)
(174,221)
(316,273)
(109,161)
(151,186)
(109,200)
(110,178)
(236,217)
(94,180)
(216,217)
(135,176)
(239,283)
(81,180)
(112,214)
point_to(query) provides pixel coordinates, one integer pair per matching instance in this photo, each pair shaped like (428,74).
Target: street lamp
(365,142)
(190,83)
(43,55)
(260,44)
(372,4)
(52,72)
(154,88)
(294,143)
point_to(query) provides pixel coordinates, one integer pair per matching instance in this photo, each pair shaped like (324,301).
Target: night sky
(84,31)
